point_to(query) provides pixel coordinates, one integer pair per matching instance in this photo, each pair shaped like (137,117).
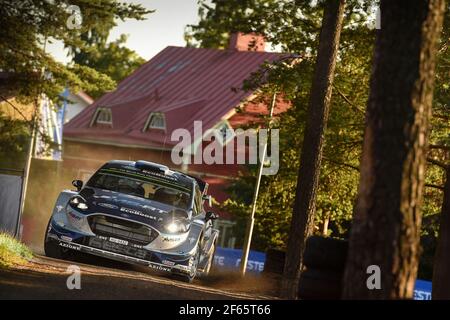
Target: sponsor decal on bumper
(183,268)
(119,241)
(66,239)
(168,263)
(121,257)
(70,246)
(159,267)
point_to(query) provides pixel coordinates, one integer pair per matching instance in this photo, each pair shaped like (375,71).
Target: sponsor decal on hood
(107,205)
(131,207)
(141,214)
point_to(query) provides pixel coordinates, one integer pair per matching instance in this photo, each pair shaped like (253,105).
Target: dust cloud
(47,179)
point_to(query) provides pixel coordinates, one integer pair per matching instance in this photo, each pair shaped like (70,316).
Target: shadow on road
(46,278)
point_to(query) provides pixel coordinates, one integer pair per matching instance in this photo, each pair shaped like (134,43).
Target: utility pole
(251,219)
(26,170)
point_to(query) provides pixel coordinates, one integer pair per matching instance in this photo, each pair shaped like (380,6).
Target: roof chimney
(247,42)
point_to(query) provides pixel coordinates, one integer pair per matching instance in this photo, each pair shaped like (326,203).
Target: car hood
(130,207)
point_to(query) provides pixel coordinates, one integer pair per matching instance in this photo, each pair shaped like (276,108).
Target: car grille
(130,231)
(118,248)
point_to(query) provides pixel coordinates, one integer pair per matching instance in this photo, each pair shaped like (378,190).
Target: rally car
(138,212)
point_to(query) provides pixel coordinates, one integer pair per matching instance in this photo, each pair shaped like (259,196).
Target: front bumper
(105,247)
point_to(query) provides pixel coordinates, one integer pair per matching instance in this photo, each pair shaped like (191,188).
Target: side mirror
(77,184)
(208,198)
(211,216)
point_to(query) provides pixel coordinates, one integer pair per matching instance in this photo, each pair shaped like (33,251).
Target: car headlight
(177,227)
(78,202)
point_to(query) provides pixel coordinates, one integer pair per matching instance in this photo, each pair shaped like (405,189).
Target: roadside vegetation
(339,170)
(13,252)
(95,66)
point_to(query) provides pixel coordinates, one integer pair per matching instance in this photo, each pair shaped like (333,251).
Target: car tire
(184,278)
(325,253)
(188,278)
(52,249)
(315,284)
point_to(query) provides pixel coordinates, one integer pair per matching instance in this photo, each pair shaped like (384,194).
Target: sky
(162,28)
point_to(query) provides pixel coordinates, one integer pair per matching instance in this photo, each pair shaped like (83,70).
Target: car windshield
(141,188)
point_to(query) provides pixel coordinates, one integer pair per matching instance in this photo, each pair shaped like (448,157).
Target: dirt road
(46,278)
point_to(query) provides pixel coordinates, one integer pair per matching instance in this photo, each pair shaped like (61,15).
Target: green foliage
(440,131)
(91,80)
(339,174)
(113,59)
(14,140)
(440,143)
(294,26)
(27,26)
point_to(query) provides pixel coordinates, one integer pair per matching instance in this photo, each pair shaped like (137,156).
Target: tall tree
(439,156)
(311,155)
(294,26)
(387,217)
(28,70)
(112,59)
(438,159)
(28,25)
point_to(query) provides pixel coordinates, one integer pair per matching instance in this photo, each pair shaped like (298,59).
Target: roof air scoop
(151,166)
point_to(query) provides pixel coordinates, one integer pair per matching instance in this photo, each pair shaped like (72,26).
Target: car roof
(170,175)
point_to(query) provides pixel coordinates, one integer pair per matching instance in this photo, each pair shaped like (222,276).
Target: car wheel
(52,249)
(190,278)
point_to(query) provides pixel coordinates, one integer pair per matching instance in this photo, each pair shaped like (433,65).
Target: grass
(13,252)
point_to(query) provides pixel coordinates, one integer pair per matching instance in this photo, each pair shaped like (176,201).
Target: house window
(103,116)
(224,132)
(156,120)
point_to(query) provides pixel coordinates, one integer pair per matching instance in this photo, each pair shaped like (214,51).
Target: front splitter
(123,258)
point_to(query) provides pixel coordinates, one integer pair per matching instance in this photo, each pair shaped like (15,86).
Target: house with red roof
(174,90)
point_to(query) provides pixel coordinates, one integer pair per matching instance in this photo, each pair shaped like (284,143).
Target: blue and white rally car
(137,212)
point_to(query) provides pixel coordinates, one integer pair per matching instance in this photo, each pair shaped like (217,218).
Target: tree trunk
(441,271)
(387,217)
(311,155)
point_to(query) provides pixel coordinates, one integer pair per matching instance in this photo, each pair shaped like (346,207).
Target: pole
(251,219)
(26,172)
